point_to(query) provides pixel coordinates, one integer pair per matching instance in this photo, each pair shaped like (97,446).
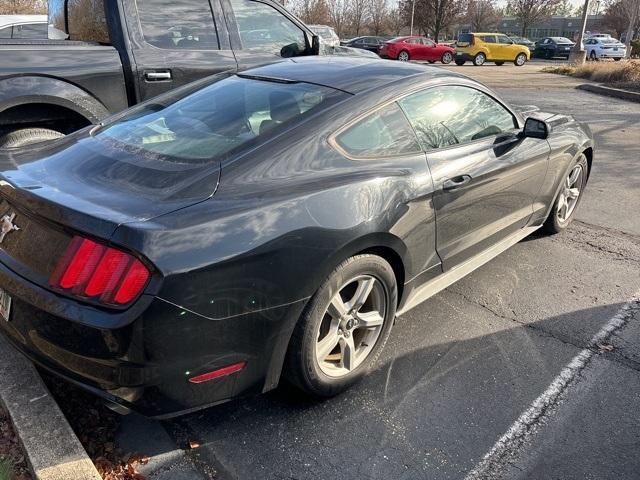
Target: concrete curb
(610,92)
(52,449)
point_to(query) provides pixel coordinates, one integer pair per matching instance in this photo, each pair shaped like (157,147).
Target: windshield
(222,117)
(561,40)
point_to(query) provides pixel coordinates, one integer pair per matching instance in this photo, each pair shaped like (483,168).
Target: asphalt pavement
(527,368)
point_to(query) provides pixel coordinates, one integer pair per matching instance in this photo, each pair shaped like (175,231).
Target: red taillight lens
(89,269)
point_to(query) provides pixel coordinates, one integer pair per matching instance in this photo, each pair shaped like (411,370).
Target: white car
(597,48)
(327,35)
(23,27)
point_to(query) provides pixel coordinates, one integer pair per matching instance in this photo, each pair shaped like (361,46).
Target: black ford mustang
(199,245)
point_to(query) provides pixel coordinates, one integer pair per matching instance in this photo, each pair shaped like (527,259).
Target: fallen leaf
(605,347)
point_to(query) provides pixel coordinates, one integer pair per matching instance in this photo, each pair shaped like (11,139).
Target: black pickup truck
(121,52)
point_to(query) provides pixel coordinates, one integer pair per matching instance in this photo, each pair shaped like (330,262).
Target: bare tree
(23,7)
(482,15)
(314,12)
(339,15)
(358,14)
(433,16)
(396,20)
(619,15)
(531,11)
(378,13)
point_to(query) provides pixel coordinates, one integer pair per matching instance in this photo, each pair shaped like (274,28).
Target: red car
(416,48)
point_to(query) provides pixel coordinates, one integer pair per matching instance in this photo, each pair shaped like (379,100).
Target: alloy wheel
(446,58)
(521,59)
(351,326)
(480,59)
(570,193)
(403,57)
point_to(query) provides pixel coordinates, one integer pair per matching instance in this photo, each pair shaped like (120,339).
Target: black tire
(520,60)
(553,224)
(499,63)
(302,367)
(431,61)
(460,62)
(479,59)
(617,59)
(446,58)
(28,136)
(404,56)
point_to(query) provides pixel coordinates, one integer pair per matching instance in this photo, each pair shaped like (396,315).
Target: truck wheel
(28,136)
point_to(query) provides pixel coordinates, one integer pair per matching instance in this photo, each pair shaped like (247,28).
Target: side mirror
(534,128)
(315,45)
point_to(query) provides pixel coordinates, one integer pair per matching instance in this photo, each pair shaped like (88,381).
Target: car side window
(489,38)
(428,43)
(384,133)
(5,32)
(263,27)
(451,115)
(178,24)
(30,30)
(504,40)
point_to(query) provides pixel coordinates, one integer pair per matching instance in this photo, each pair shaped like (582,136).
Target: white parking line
(526,425)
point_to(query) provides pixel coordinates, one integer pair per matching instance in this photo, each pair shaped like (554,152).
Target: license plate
(459,54)
(5,305)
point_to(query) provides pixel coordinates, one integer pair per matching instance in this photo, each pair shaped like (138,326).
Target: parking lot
(528,368)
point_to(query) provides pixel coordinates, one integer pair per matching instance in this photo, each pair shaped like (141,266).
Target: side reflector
(221,372)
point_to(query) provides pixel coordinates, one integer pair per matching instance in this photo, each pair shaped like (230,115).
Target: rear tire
(617,59)
(479,59)
(460,62)
(559,219)
(499,63)
(28,136)
(318,361)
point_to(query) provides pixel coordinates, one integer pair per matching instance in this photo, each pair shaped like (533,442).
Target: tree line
(23,7)
(438,19)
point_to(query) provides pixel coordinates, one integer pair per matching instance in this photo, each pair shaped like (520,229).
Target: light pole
(578,54)
(413,12)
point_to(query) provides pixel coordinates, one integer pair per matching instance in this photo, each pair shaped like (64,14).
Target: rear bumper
(145,362)
(618,54)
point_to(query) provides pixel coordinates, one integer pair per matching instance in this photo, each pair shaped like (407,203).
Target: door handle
(456,182)
(157,76)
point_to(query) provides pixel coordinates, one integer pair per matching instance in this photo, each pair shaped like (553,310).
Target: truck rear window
(225,116)
(83,20)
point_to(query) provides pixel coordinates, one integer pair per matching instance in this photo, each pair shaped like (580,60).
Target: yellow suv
(489,47)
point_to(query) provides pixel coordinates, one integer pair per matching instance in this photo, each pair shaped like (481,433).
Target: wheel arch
(384,245)
(28,101)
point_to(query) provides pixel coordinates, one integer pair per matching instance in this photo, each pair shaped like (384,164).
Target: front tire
(479,59)
(447,57)
(520,60)
(28,136)
(404,56)
(344,327)
(568,199)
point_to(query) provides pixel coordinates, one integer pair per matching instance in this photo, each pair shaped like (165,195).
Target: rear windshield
(465,38)
(561,40)
(221,118)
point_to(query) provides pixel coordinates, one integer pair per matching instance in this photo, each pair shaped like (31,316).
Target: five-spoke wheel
(344,327)
(568,197)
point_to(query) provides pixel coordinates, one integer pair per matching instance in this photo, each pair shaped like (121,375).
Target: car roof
(348,74)
(490,33)
(6,20)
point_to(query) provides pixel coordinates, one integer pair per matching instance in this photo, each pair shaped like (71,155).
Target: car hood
(80,180)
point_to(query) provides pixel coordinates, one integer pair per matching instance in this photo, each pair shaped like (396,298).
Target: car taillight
(91,270)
